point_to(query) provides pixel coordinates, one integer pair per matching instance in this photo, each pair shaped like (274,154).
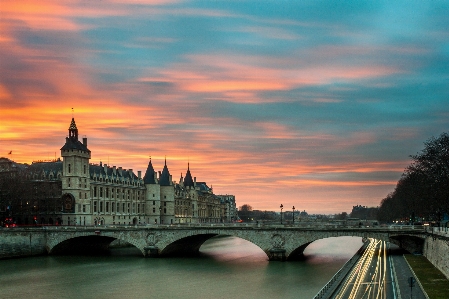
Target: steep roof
(164,180)
(188,181)
(109,171)
(71,143)
(47,167)
(149,177)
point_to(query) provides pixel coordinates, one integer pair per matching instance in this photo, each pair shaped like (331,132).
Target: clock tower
(75,179)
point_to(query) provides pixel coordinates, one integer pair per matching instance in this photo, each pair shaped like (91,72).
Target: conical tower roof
(164,180)
(188,181)
(149,174)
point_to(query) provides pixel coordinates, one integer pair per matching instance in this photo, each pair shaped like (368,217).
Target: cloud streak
(315,105)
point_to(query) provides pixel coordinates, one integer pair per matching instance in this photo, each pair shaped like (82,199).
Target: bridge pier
(151,251)
(276,254)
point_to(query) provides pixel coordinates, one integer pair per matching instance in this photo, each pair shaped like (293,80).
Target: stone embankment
(436,248)
(21,243)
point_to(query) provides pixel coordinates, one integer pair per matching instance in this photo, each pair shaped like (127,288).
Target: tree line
(422,192)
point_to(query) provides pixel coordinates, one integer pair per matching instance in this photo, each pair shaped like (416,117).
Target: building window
(84,169)
(101,191)
(138,208)
(101,206)
(95,206)
(107,207)
(165,203)
(154,202)
(128,208)
(154,210)
(95,191)
(84,208)
(70,168)
(165,210)
(123,208)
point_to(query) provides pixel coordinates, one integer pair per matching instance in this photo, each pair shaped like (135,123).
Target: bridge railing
(440,231)
(309,226)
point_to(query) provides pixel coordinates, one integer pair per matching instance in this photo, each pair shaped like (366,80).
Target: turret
(153,195)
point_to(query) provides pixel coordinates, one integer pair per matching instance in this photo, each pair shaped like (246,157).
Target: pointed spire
(149,174)
(73,130)
(188,181)
(164,179)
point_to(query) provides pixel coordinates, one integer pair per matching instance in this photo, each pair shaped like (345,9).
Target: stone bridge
(278,242)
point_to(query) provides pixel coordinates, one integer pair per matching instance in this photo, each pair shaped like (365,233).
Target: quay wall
(21,243)
(436,249)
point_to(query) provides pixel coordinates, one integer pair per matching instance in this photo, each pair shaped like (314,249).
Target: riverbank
(432,280)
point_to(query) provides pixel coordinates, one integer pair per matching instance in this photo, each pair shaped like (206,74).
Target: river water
(228,267)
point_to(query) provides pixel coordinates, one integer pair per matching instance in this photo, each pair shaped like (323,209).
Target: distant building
(230,207)
(76,192)
(364,212)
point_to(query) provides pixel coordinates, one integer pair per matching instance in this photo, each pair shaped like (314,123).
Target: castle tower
(75,179)
(189,185)
(153,196)
(167,196)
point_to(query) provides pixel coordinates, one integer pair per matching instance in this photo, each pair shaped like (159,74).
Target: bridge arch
(413,244)
(278,243)
(91,241)
(188,242)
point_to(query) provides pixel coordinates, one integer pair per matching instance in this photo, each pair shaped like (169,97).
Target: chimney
(120,170)
(194,182)
(85,141)
(139,174)
(101,164)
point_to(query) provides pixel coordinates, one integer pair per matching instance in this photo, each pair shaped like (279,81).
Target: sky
(312,104)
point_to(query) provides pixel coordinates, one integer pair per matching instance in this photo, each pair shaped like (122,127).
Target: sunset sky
(316,104)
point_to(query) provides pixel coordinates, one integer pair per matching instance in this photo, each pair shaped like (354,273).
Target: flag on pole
(10,153)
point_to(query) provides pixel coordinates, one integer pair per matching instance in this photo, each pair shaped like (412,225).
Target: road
(371,277)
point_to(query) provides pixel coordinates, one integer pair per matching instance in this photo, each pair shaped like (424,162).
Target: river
(228,267)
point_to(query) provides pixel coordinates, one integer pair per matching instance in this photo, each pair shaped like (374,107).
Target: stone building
(83,193)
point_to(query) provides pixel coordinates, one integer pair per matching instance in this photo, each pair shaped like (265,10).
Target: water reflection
(228,267)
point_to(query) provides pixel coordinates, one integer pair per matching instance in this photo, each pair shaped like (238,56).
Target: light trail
(367,280)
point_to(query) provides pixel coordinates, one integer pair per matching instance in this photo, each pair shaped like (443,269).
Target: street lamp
(293,218)
(281,211)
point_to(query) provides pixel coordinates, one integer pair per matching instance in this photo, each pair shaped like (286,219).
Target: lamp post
(293,218)
(281,211)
